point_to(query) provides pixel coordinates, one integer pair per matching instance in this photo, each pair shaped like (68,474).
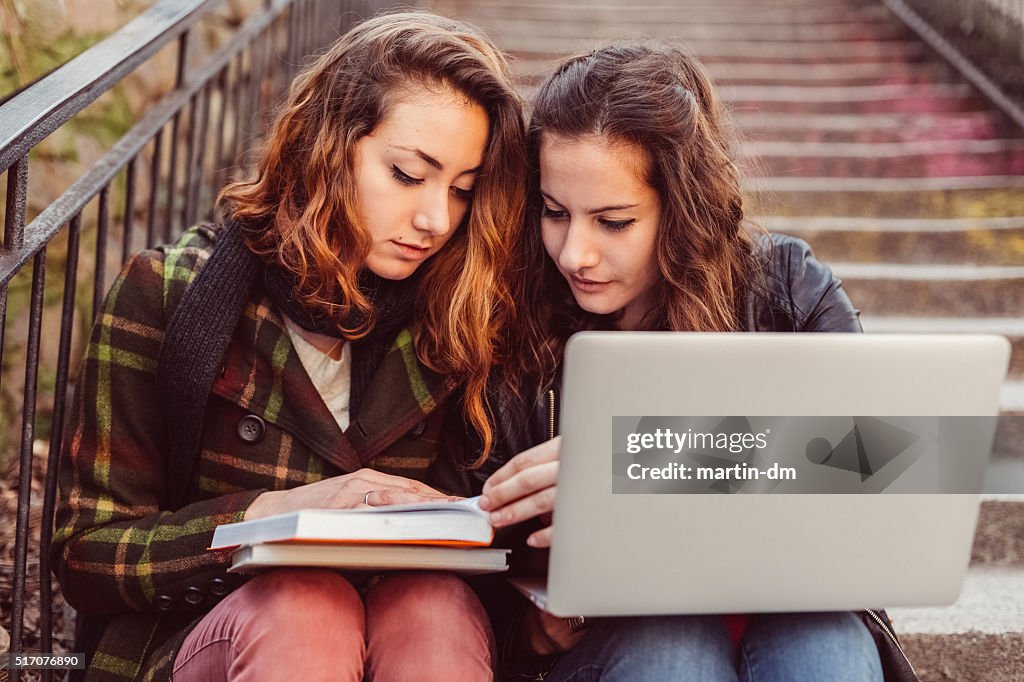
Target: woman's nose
(433,214)
(579,250)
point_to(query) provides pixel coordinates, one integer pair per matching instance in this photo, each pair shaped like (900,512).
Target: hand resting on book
(345,492)
(524,488)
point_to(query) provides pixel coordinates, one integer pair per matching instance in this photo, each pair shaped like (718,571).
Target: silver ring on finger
(366,497)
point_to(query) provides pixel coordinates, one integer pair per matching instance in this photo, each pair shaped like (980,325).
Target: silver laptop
(620,550)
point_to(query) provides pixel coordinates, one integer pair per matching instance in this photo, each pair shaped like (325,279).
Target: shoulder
(185,257)
(786,257)
(800,288)
(179,262)
(152,281)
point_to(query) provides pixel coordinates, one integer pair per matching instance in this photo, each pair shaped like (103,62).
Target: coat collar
(264,375)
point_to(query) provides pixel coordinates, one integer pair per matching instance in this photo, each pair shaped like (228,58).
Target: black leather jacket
(798,294)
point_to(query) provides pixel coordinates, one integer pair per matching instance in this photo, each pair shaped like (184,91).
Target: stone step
(1012,398)
(533,71)
(864,128)
(880,99)
(980,638)
(1007,454)
(934,290)
(884,159)
(983,241)
(704,14)
(1010,327)
(965,197)
(822,52)
(999,535)
(874,99)
(667,5)
(680,26)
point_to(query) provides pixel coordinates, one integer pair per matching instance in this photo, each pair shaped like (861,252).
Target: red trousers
(312,624)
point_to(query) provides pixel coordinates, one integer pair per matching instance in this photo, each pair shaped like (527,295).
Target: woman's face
(599,223)
(415,175)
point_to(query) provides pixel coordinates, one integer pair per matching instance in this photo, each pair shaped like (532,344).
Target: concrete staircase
(861,141)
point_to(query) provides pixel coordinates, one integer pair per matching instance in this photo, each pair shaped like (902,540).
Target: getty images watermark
(800,454)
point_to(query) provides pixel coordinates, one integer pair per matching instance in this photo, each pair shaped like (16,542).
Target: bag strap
(193,349)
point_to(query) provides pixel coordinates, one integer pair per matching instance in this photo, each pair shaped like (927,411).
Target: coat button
(219,587)
(251,428)
(194,596)
(165,602)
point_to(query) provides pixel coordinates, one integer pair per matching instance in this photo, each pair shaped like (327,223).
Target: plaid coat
(144,572)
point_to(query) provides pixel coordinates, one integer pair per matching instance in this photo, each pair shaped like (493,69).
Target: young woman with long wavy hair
(358,288)
(636,222)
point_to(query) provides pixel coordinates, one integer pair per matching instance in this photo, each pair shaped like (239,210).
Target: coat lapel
(400,395)
(264,375)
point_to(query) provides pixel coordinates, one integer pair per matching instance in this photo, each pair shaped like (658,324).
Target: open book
(435,535)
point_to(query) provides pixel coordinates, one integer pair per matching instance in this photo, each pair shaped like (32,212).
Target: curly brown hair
(302,199)
(656,98)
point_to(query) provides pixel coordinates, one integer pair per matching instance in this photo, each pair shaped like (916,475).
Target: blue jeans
(790,647)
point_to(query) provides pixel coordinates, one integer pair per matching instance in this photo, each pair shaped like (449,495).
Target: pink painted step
(825,128)
(919,99)
(880,161)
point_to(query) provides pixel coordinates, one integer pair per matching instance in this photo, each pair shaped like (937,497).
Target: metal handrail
(49,222)
(221,98)
(37,111)
(945,48)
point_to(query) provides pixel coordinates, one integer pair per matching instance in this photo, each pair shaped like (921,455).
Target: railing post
(28,417)
(17,195)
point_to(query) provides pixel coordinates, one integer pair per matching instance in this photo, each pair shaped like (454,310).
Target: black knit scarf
(392,302)
(201,327)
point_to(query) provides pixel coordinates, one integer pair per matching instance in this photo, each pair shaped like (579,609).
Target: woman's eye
(463,194)
(616,225)
(552,214)
(403,177)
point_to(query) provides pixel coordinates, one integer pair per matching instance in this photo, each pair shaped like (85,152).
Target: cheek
(458,209)
(646,261)
(553,239)
(368,190)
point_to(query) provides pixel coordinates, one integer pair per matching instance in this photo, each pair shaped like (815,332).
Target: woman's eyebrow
(618,207)
(549,198)
(432,161)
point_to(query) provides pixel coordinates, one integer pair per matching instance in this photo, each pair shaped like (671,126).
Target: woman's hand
(365,487)
(524,488)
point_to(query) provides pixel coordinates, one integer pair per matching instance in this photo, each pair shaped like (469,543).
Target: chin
(597,307)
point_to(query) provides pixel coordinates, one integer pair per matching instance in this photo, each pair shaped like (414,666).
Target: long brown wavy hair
(657,98)
(302,200)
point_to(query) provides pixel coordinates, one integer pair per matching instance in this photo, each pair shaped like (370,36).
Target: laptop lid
(633,554)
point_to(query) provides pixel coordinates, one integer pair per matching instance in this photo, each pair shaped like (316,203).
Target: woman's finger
(526,508)
(393,481)
(383,496)
(541,538)
(525,483)
(538,454)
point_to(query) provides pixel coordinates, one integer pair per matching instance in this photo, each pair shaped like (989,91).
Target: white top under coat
(332,378)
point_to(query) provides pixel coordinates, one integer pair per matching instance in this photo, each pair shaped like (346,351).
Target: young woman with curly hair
(347,313)
(636,222)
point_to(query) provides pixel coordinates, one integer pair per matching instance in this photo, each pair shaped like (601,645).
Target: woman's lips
(411,252)
(587,286)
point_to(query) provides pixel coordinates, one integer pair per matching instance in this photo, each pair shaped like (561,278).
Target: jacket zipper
(551,413)
(887,631)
